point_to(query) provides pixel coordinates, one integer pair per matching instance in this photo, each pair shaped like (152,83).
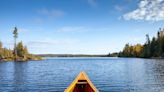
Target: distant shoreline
(87,55)
(70,55)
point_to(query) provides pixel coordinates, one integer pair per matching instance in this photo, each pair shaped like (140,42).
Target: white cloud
(149,10)
(72,29)
(81,29)
(92,2)
(49,42)
(50,45)
(28,30)
(51,13)
(119,8)
(38,21)
(23,30)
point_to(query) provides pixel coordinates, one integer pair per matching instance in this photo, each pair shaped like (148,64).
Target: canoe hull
(81,84)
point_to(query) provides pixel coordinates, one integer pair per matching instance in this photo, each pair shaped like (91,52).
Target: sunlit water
(107,74)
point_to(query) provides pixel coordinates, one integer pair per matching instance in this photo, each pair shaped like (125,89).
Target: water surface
(107,74)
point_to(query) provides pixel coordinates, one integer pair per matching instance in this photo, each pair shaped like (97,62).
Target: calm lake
(107,74)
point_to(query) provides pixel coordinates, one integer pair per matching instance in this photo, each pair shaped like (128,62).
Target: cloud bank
(149,10)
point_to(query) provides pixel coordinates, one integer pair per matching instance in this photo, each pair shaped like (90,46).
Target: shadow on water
(6,76)
(155,75)
(20,76)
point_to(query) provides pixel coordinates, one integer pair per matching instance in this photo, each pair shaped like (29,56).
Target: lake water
(107,74)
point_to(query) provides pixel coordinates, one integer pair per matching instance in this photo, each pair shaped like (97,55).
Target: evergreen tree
(15,43)
(159,43)
(1,50)
(20,49)
(146,48)
(153,47)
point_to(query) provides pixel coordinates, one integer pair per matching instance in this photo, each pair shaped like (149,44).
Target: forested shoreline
(152,48)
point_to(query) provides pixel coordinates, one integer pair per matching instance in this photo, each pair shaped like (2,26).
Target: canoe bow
(81,83)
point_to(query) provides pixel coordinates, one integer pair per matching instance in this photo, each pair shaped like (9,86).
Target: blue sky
(79,26)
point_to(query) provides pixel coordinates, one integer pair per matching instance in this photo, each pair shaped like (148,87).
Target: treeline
(69,55)
(5,53)
(22,53)
(151,48)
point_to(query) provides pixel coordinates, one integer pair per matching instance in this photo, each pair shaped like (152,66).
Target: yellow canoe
(81,84)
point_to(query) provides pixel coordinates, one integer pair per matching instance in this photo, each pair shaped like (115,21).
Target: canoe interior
(83,87)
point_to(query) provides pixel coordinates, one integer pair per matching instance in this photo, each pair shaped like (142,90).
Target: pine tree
(15,43)
(147,47)
(153,47)
(1,51)
(20,49)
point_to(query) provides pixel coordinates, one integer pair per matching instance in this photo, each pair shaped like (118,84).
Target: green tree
(15,32)
(146,51)
(162,46)
(154,47)
(25,50)
(137,50)
(20,49)
(126,50)
(1,50)
(159,43)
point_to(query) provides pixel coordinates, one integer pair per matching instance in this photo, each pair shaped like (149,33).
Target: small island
(19,52)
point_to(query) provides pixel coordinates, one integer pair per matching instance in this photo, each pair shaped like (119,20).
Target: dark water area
(107,74)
